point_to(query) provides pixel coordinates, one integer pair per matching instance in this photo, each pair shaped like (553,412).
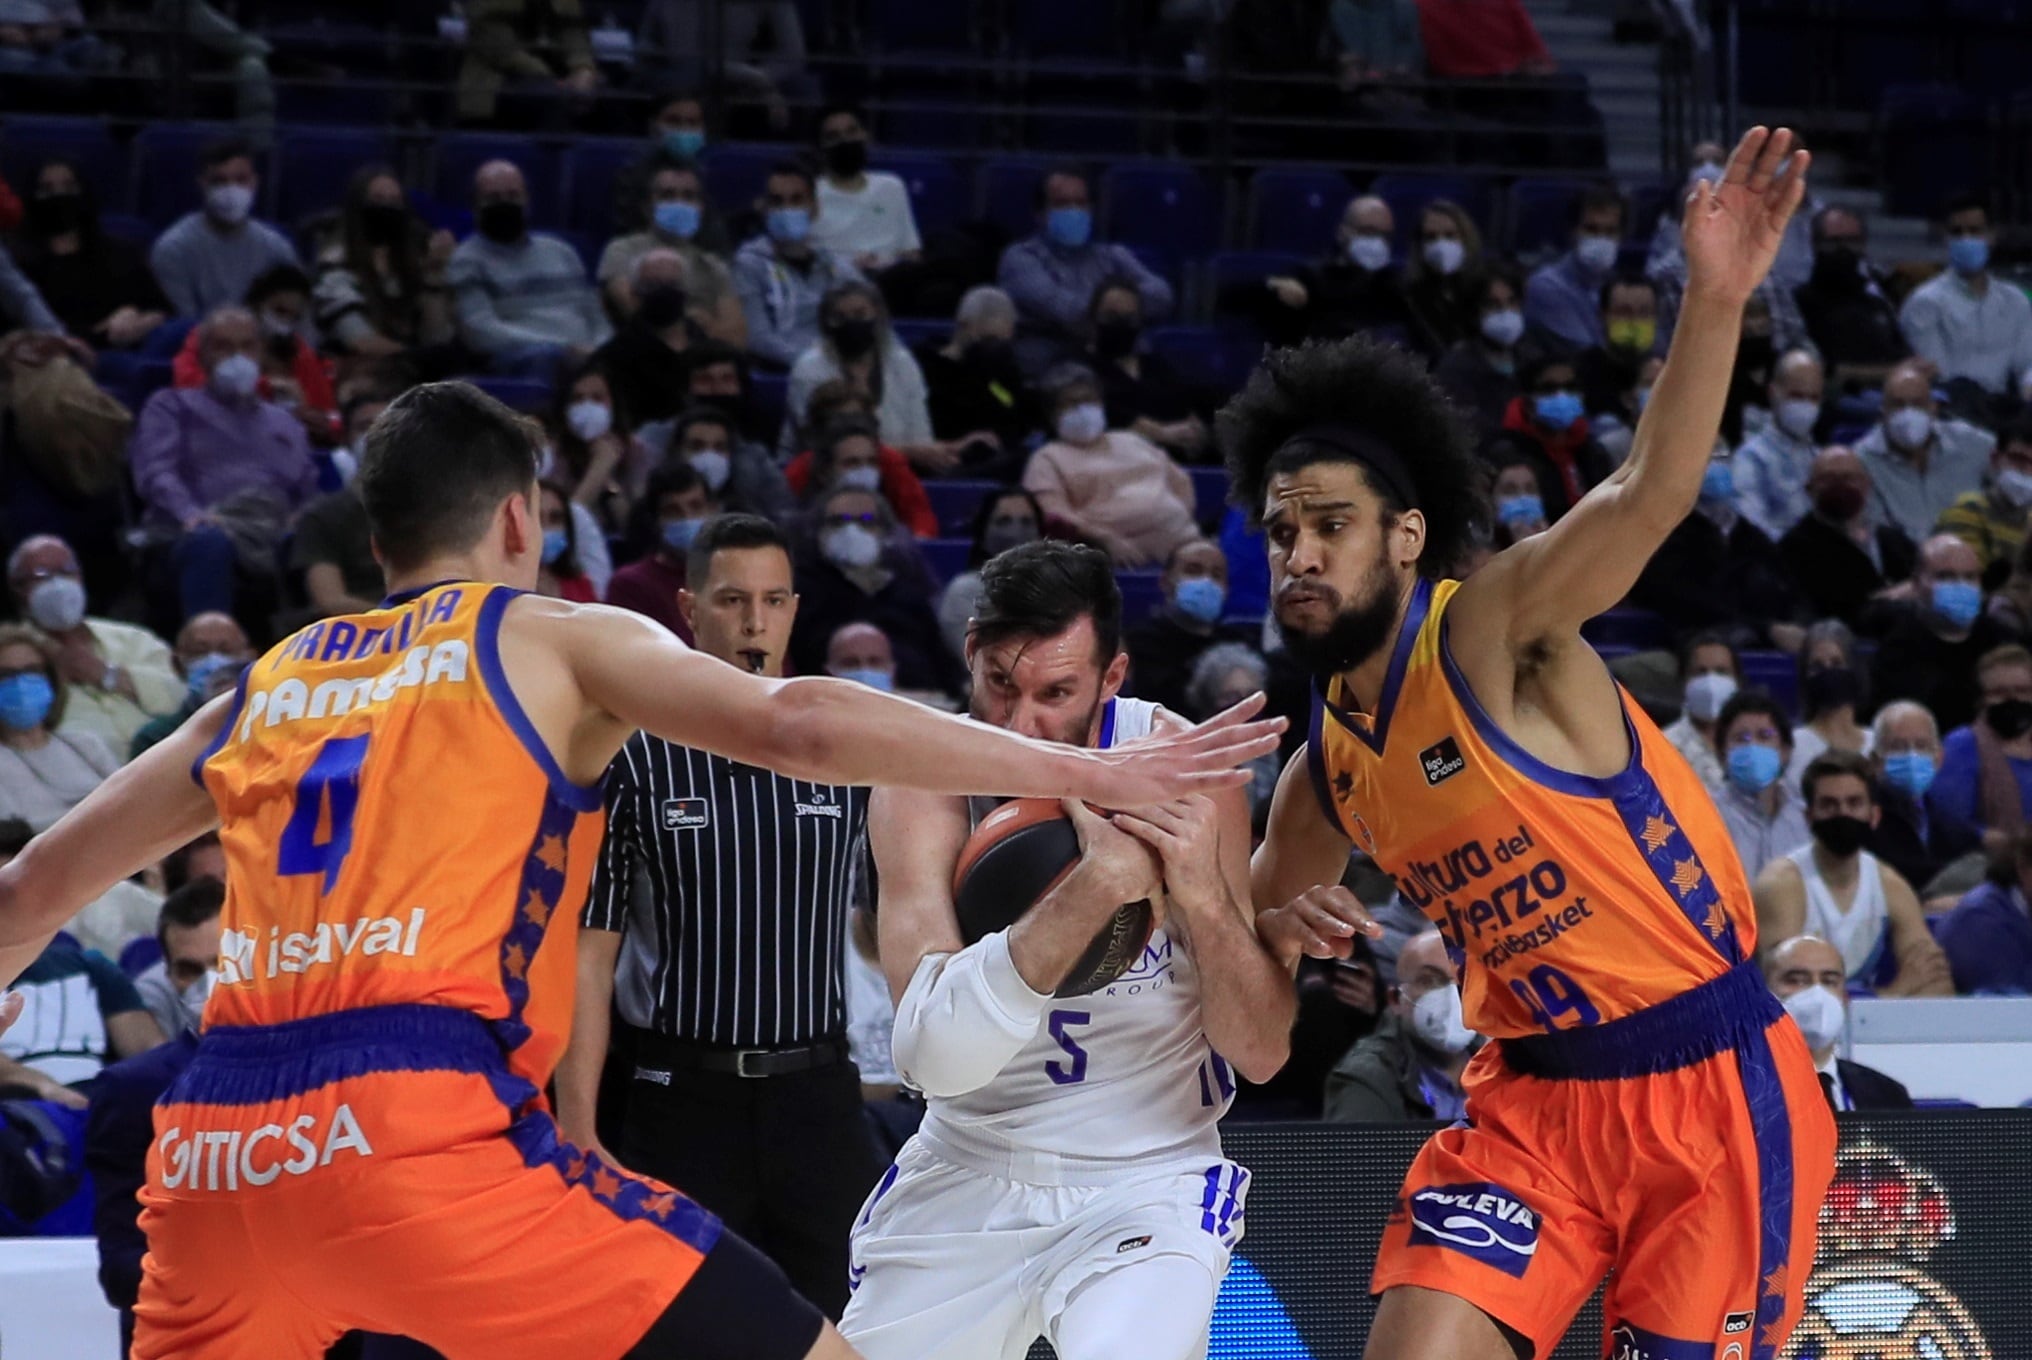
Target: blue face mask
(25,700)
(788,225)
(554,544)
(684,143)
(873,679)
(200,673)
(1968,254)
(1718,483)
(1958,602)
(1520,510)
(678,218)
(1557,410)
(1911,771)
(1753,767)
(679,533)
(1069,227)
(1200,598)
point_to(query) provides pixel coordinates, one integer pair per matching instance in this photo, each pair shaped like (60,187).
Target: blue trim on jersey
(1723,1014)
(225,732)
(536,901)
(402,597)
(1393,679)
(487,647)
(628,1197)
(256,1064)
(1315,761)
(1771,1127)
(1107,726)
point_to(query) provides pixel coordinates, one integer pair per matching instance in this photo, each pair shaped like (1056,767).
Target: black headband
(1364,448)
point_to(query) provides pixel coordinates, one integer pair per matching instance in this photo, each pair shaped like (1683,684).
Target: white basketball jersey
(1123,1074)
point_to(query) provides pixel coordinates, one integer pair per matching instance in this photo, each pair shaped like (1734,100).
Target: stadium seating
(26,141)
(954,501)
(1297,210)
(1936,144)
(592,168)
(938,197)
(1773,671)
(460,154)
(314,166)
(1407,195)
(1160,203)
(165,158)
(1542,214)
(946,557)
(1007,194)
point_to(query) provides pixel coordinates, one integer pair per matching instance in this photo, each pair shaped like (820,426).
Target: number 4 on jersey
(325,799)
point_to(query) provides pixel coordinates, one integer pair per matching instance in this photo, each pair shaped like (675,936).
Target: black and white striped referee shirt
(730,885)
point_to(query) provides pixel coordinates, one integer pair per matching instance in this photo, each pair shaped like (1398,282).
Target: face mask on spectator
(57,605)
(1557,410)
(229,203)
(1504,328)
(25,700)
(1597,254)
(1968,254)
(1446,255)
(56,214)
(850,545)
(1818,1013)
(1082,424)
(1841,836)
(1436,1018)
(989,354)
(678,218)
(1829,687)
(1004,534)
(554,544)
(1840,501)
(2015,486)
(1911,771)
(852,336)
(236,376)
(384,223)
(1200,598)
(501,223)
(713,465)
(199,675)
(684,143)
(1069,227)
(589,419)
(1718,483)
(2009,718)
(1754,767)
(788,226)
(870,677)
(847,159)
(1797,418)
(1369,252)
(198,993)
(860,478)
(1909,427)
(1705,695)
(1526,509)
(1633,334)
(1838,268)
(1958,602)
(660,306)
(678,533)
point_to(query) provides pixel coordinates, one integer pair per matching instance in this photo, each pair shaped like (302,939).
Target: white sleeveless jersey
(1123,1075)
(1863,932)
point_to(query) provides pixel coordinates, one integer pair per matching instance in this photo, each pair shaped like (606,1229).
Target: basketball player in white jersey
(1068,1179)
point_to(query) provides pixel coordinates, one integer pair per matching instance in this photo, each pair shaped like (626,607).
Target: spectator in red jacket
(837,402)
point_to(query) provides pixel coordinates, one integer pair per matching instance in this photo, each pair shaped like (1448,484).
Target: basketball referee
(726,972)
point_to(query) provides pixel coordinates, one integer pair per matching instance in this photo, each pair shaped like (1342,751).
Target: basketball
(1015,856)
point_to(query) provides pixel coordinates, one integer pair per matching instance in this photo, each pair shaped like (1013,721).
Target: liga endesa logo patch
(1479,1220)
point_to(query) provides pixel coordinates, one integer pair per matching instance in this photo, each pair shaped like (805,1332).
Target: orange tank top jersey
(396,831)
(1567,900)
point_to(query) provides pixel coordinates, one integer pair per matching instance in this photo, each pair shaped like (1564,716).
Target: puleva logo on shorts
(1479,1220)
(1442,761)
(685,814)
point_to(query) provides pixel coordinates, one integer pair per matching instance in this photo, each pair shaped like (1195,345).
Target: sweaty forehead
(1032,661)
(1330,483)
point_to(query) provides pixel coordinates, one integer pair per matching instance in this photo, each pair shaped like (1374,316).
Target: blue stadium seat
(955,500)
(1776,672)
(1936,143)
(1407,195)
(947,557)
(26,141)
(165,160)
(459,154)
(585,244)
(901,24)
(1042,29)
(937,198)
(127,227)
(946,120)
(1204,355)
(1161,203)
(528,395)
(1637,628)
(914,331)
(1542,214)
(1230,267)
(591,168)
(1008,194)
(314,166)
(1649,202)
(737,173)
(1142,595)
(1297,210)
(139,955)
(349,100)
(1209,493)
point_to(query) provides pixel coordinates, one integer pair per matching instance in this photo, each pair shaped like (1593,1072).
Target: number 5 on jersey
(325,800)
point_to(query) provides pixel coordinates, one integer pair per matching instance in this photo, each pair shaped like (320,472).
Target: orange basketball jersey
(396,831)
(1570,900)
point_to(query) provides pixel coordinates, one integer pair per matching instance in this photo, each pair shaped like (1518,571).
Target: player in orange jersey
(409,804)
(1646,1107)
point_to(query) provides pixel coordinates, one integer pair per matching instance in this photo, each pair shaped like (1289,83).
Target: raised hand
(1320,923)
(1733,227)
(1197,760)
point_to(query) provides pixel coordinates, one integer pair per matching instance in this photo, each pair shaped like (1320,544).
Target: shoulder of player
(1781,876)
(1165,723)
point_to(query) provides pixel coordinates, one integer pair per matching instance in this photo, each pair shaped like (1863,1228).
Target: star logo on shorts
(1686,875)
(1774,1283)
(1657,831)
(550,854)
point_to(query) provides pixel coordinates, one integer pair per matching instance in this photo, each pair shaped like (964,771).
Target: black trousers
(784,1161)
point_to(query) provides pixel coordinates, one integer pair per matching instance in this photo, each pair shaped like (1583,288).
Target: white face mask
(1705,695)
(2015,487)
(1797,418)
(229,203)
(1820,1015)
(712,465)
(589,419)
(1504,328)
(1597,254)
(236,376)
(850,545)
(194,997)
(1369,252)
(1909,427)
(861,478)
(58,604)
(1445,255)
(275,326)
(1436,1017)
(1083,424)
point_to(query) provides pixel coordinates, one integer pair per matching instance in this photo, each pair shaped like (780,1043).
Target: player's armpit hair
(963,1017)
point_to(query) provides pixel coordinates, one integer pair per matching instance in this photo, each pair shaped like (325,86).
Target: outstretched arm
(143,812)
(1550,584)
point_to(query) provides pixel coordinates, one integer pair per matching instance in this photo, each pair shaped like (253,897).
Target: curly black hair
(1381,390)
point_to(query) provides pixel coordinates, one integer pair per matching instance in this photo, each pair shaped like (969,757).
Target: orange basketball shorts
(1686,1149)
(382,1170)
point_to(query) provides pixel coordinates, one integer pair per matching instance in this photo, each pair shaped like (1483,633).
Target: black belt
(656,1055)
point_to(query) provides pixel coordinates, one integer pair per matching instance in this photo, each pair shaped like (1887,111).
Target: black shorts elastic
(736,1306)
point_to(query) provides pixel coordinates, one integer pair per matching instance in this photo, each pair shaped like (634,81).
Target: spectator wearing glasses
(118,676)
(45,769)
(1410,1068)
(1913,836)
(1847,310)
(1933,638)
(851,568)
(98,286)
(1547,427)
(1609,372)
(782,276)
(1974,328)
(1052,275)
(1920,462)
(1993,520)
(210,257)
(1839,555)
(1985,777)
(1562,300)
(1439,278)
(380,287)
(841,422)
(671,212)
(864,215)
(211,652)
(1766,819)
(1988,935)
(1480,371)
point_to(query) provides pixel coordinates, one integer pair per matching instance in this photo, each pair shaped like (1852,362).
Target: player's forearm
(1676,435)
(1050,938)
(1247,1000)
